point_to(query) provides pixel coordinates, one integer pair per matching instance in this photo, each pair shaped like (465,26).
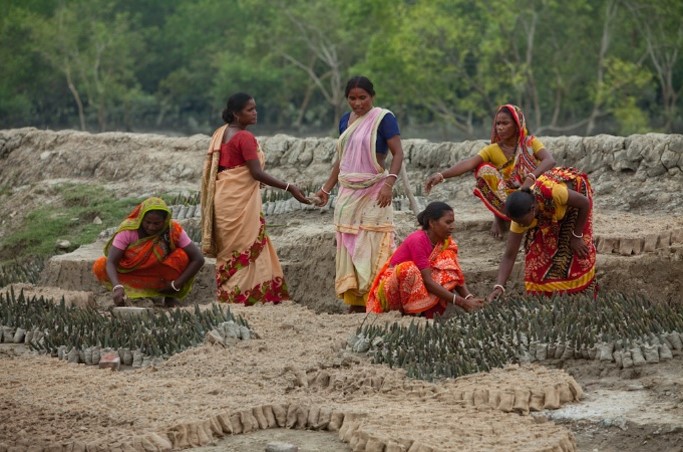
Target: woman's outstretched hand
(494,295)
(298,194)
(472,304)
(432,181)
(119,295)
(320,198)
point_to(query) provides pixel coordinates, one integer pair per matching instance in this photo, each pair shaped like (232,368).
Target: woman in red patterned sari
(556,215)
(513,160)
(150,255)
(423,275)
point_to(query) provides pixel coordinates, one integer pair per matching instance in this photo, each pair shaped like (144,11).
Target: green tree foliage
(579,66)
(93,48)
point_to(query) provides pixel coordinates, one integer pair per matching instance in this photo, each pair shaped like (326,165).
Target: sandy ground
(299,384)
(300,364)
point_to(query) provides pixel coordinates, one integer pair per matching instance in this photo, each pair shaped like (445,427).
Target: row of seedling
(626,330)
(27,270)
(48,325)
(190,199)
(185,212)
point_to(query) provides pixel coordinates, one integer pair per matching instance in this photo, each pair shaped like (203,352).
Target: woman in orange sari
(423,275)
(513,160)
(150,255)
(556,216)
(233,225)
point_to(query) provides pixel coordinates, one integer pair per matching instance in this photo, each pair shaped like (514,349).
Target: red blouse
(241,147)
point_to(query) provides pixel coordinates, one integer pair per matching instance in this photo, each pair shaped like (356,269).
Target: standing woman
(233,226)
(513,160)
(363,213)
(556,215)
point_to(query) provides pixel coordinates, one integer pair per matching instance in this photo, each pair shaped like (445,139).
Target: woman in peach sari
(233,226)
(423,275)
(150,255)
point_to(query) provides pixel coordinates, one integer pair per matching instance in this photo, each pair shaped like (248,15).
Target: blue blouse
(388,128)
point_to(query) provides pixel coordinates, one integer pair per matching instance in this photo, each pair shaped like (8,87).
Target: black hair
(433,211)
(359,81)
(519,203)
(236,103)
(161,213)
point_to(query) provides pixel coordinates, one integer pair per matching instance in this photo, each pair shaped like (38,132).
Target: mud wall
(649,167)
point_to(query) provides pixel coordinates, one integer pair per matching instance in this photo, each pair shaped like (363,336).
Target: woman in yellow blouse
(556,216)
(513,160)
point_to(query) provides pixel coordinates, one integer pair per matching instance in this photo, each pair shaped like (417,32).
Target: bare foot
(353,309)
(498,228)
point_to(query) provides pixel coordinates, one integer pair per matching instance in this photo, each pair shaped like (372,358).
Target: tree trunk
(77,98)
(610,13)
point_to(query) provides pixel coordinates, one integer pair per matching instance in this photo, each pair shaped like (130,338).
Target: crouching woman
(149,256)
(423,275)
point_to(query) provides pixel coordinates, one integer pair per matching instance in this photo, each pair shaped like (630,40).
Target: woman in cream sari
(363,214)
(233,226)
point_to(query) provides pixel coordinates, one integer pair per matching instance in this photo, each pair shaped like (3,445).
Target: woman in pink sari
(513,160)
(423,275)
(363,214)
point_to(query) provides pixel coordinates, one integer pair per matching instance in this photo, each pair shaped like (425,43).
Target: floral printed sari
(150,262)
(401,287)
(550,264)
(247,267)
(493,184)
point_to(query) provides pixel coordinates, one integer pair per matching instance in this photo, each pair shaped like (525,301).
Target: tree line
(575,67)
